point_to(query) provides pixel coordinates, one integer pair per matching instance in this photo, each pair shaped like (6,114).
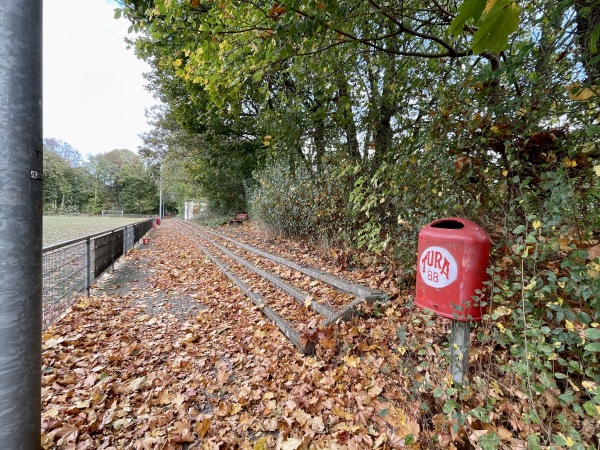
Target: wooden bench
(239,220)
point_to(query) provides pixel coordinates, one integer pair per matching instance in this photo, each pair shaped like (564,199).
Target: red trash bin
(158,221)
(452,269)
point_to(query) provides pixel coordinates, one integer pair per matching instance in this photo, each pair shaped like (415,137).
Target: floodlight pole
(20,223)
(160,204)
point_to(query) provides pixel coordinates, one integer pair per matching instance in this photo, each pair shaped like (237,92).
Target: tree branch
(405,29)
(370,42)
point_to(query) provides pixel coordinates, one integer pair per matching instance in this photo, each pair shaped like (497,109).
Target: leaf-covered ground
(167,353)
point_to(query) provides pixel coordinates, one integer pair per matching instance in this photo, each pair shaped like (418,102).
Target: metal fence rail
(70,267)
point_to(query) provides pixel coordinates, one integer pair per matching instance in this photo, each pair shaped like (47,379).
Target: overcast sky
(94,96)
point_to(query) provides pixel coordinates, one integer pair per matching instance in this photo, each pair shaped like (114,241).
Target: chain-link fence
(71,266)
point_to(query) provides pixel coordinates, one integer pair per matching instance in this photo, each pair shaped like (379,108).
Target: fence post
(88,259)
(20,223)
(112,250)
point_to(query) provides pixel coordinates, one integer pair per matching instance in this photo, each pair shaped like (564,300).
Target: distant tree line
(112,180)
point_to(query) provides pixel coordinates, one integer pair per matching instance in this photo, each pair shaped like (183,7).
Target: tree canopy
(355,123)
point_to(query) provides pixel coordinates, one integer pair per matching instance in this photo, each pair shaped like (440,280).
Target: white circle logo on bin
(437,267)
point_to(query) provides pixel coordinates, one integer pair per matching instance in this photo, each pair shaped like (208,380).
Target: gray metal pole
(20,223)
(459,350)
(160,204)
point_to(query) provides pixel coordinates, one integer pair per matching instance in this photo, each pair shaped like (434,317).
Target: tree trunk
(348,125)
(319,143)
(383,119)
(588,18)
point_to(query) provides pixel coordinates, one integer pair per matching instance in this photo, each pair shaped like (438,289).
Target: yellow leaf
(177,62)
(531,284)
(573,385)
(569,325)
(504,172)
(503,311)
(536,224)
(402,423)
(579,93)
(51,413)
(568,441)
(350,361)
(261,444)
(496,387)
(341,413)
(489,6)
(597,170)
(308,300)
(589,384)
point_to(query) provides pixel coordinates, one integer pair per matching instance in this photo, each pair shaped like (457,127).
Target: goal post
(112,213)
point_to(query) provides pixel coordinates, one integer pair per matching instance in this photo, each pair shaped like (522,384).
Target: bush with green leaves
(292,202)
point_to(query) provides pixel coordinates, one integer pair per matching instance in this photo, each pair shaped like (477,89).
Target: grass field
(64,228)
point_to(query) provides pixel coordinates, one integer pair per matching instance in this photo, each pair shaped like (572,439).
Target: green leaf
(593,347)
(469,9)
(496,24)
(566,398)
(592,333)
(401,333)
(592,130)
(450,406)
(533,441)
(519,229)
(383,412)
(590,408)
